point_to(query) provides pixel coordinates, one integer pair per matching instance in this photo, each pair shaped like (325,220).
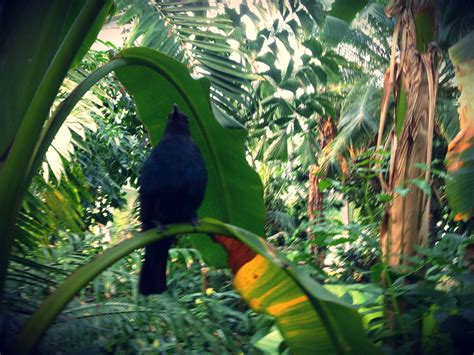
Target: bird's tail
(153,273)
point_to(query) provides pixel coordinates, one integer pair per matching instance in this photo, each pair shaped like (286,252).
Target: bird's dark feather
(172,185)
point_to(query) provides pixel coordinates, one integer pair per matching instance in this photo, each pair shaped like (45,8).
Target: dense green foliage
(281,70)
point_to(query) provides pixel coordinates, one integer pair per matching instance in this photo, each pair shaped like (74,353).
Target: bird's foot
(195,221)
(159,227)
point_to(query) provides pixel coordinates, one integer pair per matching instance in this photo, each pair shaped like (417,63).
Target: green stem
(324,303)
(64,109)
(370,212)
(395,306)
(13,181)
(55,302)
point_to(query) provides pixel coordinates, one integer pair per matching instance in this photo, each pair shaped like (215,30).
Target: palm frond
(200,34)
(447,117)
(358,124)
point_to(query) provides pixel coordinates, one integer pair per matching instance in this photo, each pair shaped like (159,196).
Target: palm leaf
(196,33)
(358,124)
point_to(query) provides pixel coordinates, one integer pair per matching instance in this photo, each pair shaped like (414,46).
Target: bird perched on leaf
(172,185)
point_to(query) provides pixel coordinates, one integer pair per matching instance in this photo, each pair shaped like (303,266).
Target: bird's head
(178,123)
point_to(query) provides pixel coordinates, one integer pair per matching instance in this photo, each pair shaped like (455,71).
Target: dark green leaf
(315,9)
(422,185)
(347,10)
(315,47)
(231,181)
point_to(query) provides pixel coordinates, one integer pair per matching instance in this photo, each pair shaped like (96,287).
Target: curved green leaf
(278,149)
(461,149)
(64,109)
(234,192)
(311,319)
(39,75)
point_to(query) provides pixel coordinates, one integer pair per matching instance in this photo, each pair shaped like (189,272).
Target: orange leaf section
(464,77)
(237,252)
(462,141)
(266,288)
(246,281)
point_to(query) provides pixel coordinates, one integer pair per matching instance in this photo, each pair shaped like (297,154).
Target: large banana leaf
(39,41)
(311,319)
(30,36)
(234,192)
(459,186)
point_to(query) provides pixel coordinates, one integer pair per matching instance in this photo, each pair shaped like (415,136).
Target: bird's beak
(175,110)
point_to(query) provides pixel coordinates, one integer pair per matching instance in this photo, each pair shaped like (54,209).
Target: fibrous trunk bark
(327,132)
(414,81)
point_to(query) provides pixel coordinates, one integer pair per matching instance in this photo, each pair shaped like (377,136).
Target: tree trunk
(415,83)
(327,132)
(315,197)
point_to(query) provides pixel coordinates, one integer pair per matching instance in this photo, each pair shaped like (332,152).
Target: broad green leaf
(347,10)
(311,319)
(278,149)
(459,185)
(422,185)
(234,192)
(315,9)
(402,191)
(37,49)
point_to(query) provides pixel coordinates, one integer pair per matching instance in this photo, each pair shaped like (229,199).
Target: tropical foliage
(330,224)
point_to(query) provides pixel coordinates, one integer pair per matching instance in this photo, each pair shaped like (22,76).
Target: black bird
(172,185)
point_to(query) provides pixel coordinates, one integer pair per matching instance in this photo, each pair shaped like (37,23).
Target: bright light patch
(250,29)
(233,43)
